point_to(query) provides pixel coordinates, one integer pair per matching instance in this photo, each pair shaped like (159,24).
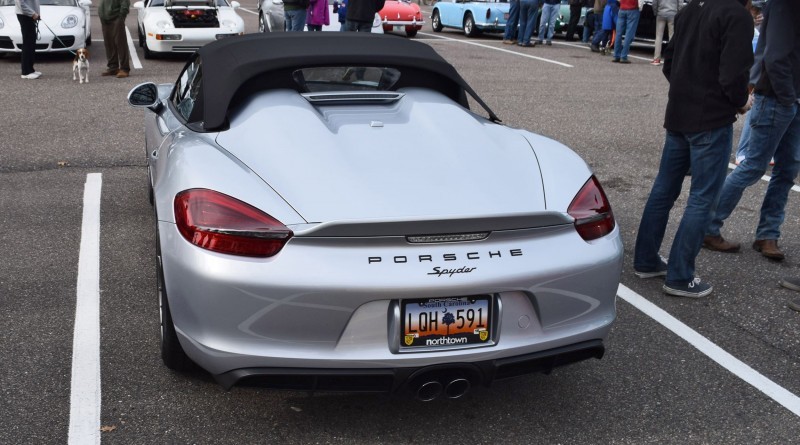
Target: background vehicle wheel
(147,53)
(410,31)
(469,26)
(172,353)
(436,21)
(263,23)
(88,41)
(141,38)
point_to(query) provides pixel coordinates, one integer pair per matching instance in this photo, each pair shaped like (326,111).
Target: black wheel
(141,37)
(436,21)
(172,353)
(147,53)
(262,23)
(411,32)
(88,41)
(469,26)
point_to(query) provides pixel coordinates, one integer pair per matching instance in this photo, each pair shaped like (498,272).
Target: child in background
(341,9)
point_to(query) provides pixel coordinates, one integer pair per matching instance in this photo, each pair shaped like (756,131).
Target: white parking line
(766,178)
(137,65)
(499,49)
(714,352)
(249,11)
(84,412)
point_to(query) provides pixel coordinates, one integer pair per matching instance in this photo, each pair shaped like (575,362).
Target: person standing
(294,13)
(317,15)
(607,24)
(112,15)
(512,22)
(575,7)
(28,16)
(665,11)
(627,22)
(361,14)
(527,21)
(774,132)
(547,26)
(709,57)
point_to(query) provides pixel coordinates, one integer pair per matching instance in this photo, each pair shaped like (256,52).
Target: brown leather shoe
(769,248)
(122,74)
(109,73)
(719,244)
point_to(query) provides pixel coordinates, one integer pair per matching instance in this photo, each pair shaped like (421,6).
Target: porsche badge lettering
(402,259)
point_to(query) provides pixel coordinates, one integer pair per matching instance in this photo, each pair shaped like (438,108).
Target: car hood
(422,157)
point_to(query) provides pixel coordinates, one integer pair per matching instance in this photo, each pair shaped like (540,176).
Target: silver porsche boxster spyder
(303,242)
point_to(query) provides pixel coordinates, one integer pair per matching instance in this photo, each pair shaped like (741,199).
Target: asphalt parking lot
(720,370)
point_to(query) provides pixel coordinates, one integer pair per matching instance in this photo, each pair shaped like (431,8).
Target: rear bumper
(401,379)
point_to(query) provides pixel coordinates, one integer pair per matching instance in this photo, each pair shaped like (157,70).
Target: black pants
(574,17)
(28,27)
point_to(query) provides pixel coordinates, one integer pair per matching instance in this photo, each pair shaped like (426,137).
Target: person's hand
(748,105)
(758,19)
(35,17)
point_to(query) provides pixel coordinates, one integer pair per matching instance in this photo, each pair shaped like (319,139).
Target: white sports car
(66,25)
(183,26)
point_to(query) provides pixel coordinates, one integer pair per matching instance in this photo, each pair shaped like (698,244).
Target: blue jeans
(744,139)
(627,22)
(527,19)
(295,19)
(707,153)
(513,21)
(774,132)
(588,26)
(547,25)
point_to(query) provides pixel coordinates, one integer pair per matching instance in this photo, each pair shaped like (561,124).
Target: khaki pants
(116,43)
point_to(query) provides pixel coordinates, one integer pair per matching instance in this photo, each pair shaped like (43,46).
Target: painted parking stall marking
(714,352)
(494,48)
(84,415)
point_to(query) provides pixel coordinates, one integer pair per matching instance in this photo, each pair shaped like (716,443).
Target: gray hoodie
(666,8)
(27,7)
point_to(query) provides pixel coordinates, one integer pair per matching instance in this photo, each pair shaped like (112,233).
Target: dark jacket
(363,10)
(110,10)
(707,63)
(780,66)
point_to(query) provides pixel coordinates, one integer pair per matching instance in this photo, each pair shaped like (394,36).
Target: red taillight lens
(488,13)
(220,223)
(592,212)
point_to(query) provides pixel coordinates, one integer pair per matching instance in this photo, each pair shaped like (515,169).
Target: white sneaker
(33,75)
(39,73)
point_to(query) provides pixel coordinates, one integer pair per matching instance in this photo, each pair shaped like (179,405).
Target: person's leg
(513,20)
(666,189)
(574,17)
(524,19)
(660,25)
(622,19)
(630,33)
(28,29)
(787,165)
(533,9)
(109,41)
(709,153)
(763,142)
(553,11)
(744,139)
(364,27)
(121,44)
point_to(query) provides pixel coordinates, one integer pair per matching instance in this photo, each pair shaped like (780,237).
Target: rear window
(345,78)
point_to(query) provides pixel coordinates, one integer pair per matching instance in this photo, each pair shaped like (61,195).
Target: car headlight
(163,24)
(228,24)
(69,21)
(2,24)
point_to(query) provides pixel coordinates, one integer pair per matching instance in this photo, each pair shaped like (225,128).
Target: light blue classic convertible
(472,16)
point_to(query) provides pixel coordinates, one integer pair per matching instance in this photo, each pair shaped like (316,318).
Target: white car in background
(66,26)
(183,26)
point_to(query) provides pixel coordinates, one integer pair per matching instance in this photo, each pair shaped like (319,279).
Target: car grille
(63,42)
(6,43)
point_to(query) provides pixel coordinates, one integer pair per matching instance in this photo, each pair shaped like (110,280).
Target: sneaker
(33,75)
(656,61)
(549,43)
(538,42)
(615,60)
(659,271)
(624,60)
(692,289)
(508,42)
(791,283)
(527,45)
(109,73)
(719,244)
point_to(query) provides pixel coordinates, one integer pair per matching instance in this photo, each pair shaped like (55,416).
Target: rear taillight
(592,212)
(220,223)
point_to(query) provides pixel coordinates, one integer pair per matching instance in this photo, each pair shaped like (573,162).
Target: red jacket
(628,4)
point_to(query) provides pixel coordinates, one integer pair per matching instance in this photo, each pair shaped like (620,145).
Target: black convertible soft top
(236,67)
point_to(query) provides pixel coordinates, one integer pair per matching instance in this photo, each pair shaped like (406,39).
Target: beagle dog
(80,66)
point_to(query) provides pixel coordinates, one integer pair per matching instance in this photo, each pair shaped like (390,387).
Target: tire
(469,26)
(147,53)
(172,353)
(411,32)
(141,37)
(88,41)
(436,21)
(262,23)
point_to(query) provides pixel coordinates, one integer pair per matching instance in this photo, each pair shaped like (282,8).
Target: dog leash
(39,35)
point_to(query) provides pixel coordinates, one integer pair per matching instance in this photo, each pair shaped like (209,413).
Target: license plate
(449,321)
(399,28)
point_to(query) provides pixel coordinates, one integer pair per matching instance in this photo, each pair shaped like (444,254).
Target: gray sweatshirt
(27,7)
(666,8)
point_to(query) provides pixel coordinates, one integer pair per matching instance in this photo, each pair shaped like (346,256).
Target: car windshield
(346,78)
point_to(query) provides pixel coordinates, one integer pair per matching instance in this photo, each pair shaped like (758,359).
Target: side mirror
(235,5)
(86,3)
(145,96)
(138,5)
